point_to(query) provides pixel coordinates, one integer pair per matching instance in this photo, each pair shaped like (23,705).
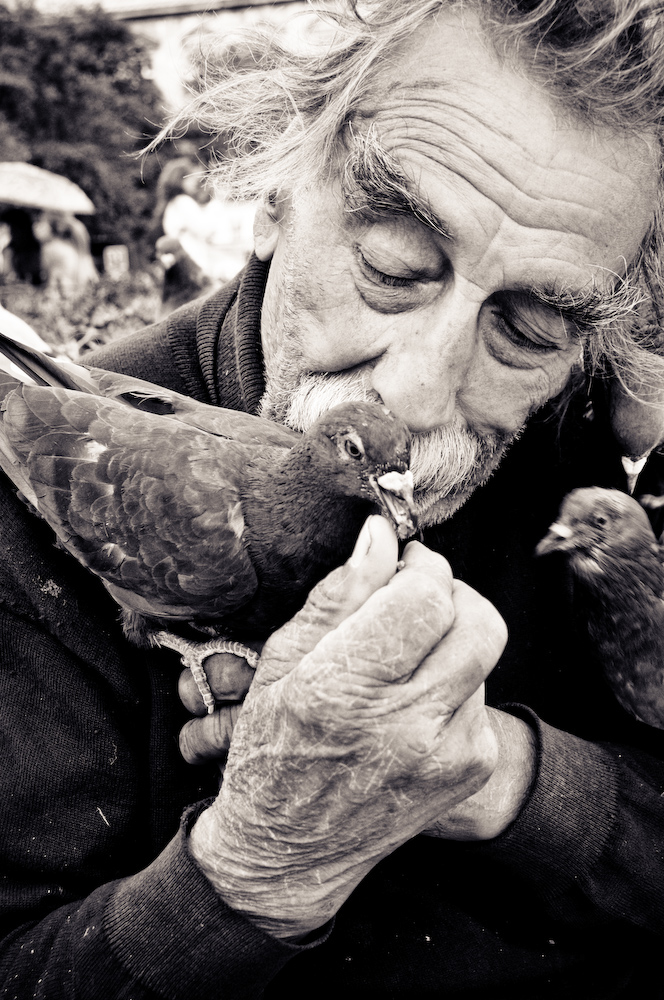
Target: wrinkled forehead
(446,105)
(452,50)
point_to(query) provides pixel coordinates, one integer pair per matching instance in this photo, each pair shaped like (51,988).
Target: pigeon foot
(194,654)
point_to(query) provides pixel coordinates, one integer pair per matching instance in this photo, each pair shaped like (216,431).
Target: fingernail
(362,545)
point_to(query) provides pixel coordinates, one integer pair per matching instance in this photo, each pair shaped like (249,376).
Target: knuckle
(188,743)
(423,585)
(229,676)
(493,632)
(418,557)
(207,738)
(328,597)
(427,598)
(482,625)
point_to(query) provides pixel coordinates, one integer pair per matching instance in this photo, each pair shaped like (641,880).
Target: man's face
(450,324)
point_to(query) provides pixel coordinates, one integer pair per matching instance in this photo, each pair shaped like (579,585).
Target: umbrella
(30,186)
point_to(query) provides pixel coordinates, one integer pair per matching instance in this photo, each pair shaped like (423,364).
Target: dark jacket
(99,897)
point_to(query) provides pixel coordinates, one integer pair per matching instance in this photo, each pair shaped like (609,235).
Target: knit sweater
(99,897)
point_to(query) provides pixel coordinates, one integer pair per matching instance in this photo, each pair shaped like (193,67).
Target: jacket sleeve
(590,839)
(75,814)
(148,353)
(160,933)
(178,352)
(99,898)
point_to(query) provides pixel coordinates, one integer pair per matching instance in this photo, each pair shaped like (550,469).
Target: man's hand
(364,726)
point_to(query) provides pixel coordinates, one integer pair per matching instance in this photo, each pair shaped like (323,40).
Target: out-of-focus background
(96,242)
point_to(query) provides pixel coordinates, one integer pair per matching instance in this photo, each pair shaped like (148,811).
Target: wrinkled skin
(366,723)
(367,707)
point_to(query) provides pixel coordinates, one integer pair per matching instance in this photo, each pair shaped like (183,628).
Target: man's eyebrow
(590,309)
(374,186)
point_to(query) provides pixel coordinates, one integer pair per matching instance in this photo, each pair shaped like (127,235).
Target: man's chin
(435,506)
(432,511)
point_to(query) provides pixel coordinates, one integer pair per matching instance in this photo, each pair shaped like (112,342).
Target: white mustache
(442,460)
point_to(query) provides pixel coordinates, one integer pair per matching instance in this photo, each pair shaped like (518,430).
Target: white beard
(448,463)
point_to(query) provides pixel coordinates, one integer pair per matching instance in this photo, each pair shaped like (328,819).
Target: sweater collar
(228,339)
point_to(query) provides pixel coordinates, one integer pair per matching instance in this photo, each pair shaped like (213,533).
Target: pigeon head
(363,450)
(596,524)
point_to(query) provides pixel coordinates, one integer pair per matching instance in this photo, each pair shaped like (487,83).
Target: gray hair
(287,115)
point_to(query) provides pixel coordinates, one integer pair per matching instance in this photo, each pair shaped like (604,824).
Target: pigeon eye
(352,449)
(600,520)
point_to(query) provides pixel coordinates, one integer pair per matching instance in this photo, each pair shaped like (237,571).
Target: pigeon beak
(559,538)
(395,495)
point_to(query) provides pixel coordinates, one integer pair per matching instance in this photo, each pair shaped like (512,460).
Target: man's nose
(428,362)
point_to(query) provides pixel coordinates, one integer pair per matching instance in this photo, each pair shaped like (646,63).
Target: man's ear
(267,226)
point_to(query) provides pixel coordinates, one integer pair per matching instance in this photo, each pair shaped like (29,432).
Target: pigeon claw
(395,496)
(194,654)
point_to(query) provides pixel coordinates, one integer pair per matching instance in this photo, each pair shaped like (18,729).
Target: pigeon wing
(150,505)
(147,397)
(140,395)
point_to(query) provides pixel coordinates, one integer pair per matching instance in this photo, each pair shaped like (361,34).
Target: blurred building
(172,25)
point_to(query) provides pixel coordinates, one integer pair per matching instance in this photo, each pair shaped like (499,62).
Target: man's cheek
(554,377)
(340,336)
(505,398)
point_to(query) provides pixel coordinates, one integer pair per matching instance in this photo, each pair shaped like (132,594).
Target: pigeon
(617,567)
(190,513)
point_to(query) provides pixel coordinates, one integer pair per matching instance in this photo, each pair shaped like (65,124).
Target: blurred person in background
(22,254)
(180,234)
(214,232)
(67,266)
(180,193)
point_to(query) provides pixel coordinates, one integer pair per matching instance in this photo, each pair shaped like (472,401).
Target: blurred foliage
(108,310)
(75,98)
